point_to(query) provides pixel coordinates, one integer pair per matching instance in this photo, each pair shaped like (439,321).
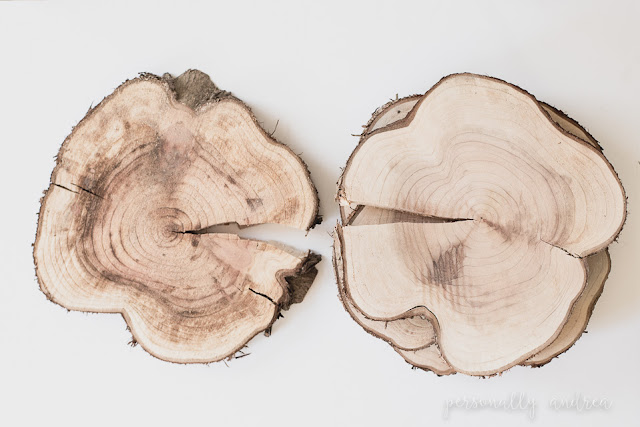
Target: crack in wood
(263,295)
(86,190)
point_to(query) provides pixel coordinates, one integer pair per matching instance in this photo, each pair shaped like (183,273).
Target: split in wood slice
(123,227)
(486,209)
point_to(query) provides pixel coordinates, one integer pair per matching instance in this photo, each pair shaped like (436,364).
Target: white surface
(321,68)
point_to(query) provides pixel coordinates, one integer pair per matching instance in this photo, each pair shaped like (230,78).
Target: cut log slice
(136,182)
(397,110)
(598,267)
(482,287)
(477,148)
(478,156)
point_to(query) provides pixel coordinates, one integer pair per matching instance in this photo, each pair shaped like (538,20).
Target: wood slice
(598,264)
(125,224)
(464,153)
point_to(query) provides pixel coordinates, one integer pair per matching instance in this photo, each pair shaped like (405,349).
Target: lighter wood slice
(385,121)
(397,110)
(482,287)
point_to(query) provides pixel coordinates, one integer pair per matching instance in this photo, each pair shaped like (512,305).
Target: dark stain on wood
(505,231)
(448,267)
(254,203)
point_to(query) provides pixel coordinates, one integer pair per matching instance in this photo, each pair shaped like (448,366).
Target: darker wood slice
(123,225)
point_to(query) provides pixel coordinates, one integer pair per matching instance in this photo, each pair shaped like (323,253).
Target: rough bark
(487,209)
(123,225)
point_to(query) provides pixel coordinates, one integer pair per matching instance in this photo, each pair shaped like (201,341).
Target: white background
(321,68)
